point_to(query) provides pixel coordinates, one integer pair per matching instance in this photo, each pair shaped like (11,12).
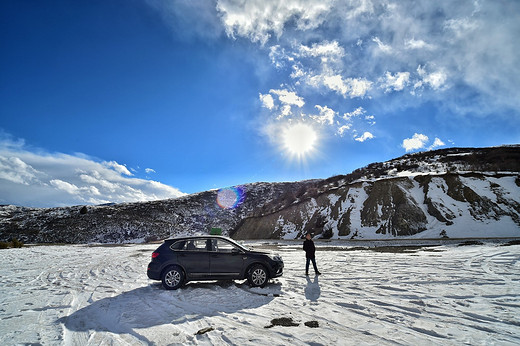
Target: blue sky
(120,101)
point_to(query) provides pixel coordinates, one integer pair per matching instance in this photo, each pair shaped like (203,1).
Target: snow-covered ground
(100,295)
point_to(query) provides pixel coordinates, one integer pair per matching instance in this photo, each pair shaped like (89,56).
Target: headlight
(275,257)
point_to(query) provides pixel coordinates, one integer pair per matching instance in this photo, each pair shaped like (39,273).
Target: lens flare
(230,197)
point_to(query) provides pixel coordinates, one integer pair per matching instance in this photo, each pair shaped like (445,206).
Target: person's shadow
(312,290)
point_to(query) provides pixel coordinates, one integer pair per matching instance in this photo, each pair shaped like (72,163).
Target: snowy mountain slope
(457,193)
(422,206)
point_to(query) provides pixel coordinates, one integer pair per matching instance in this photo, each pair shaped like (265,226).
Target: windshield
(242,247)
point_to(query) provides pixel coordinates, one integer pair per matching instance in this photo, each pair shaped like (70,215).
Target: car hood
(267,253)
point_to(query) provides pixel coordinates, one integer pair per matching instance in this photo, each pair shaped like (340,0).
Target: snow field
(100,295)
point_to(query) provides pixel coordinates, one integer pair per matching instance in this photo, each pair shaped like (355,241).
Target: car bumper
(277,269)
(154,271)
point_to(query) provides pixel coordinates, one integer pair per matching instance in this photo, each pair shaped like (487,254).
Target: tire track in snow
(86,295)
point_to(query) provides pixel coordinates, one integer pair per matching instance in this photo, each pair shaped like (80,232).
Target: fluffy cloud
(365,136)
(267,101)
(283,105)
(44,180)
(118,168)
(259,20)
(16,171)
(346,47)
(436,143)
(288,97)
(326,50)
(418,44)
(382,47)
(357,112)
(396,82)
(419,141)
(326,116)
(399,54)
(434,79)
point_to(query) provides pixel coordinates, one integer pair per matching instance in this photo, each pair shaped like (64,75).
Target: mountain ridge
(452,192)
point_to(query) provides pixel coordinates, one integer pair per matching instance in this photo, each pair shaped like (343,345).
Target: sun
(299,139)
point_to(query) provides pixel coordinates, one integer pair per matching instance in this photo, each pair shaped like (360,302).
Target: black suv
(199,258)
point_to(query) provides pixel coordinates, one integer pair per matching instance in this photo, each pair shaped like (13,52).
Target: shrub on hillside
(14,243)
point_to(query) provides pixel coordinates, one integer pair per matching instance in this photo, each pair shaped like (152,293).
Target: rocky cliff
(457,193)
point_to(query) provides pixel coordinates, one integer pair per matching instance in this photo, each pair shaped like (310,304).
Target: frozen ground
(100,295)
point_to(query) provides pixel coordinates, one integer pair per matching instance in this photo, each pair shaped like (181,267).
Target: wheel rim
(172,278)
(259,276)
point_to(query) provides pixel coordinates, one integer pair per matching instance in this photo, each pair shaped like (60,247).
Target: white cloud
(342,129)
(452,53)
(418,44)
(267,101)
(352,87)
(64,186)
(40,179)
(365,136)
(326,50)
(359,87)
(382,47)
(326,116)
(357,112)
(396,82)
(436,143)
(259,20)
(17,171)
(149,170)
(418,141)
(288,97)
(285,111)
(118,168)
(436,79)
(336,83)
(461,39)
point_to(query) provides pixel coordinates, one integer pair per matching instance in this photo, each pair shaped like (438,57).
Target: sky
(135,100)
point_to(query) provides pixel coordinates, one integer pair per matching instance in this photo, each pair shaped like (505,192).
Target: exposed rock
(312,324)
(283,321)
(204,330)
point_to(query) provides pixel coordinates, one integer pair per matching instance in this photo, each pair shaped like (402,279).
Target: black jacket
(310,249)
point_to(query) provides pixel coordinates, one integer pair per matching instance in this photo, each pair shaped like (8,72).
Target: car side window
(180,245)
(196,245)
(224,246)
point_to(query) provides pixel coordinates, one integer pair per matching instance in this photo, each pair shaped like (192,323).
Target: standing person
(310,249)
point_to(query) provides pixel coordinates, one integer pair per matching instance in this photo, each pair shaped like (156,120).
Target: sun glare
(299,139)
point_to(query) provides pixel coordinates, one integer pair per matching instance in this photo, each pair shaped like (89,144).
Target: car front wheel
(172,278)
(258,276)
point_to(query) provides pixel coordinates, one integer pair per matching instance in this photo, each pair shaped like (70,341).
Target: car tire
(258,276)
(172,278)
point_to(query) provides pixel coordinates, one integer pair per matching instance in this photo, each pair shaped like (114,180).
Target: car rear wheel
(172,278)
(258,276)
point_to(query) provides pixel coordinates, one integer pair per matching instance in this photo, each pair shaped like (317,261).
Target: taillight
(155,255)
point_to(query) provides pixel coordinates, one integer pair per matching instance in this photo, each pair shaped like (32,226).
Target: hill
(456,193)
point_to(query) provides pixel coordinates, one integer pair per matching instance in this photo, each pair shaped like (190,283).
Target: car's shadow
(151,305)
